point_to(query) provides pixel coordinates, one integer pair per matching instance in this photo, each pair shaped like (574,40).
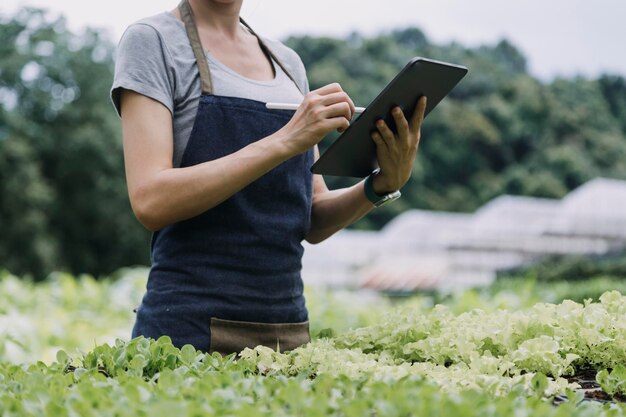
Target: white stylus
(294,106)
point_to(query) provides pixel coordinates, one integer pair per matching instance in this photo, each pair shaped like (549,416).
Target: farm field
(515,348)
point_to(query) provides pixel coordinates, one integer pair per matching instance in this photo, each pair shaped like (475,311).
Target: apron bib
(229,278)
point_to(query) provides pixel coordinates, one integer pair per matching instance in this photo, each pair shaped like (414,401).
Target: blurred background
(520,173)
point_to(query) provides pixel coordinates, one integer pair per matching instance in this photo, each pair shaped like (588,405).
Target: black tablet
(353,154)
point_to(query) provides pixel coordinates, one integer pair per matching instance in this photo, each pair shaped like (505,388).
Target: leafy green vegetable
(409,359)
(613,382)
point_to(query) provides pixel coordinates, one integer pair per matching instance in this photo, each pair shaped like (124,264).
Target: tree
(499,131)
(63,198)
(61,153)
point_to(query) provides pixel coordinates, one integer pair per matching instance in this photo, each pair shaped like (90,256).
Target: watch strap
(376,199)
(369,188)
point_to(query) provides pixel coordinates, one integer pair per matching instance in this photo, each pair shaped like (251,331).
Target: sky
(558,37)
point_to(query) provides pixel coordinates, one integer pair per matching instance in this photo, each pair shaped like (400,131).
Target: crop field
(517,348)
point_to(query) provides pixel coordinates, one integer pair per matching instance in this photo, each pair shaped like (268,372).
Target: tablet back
(353,154)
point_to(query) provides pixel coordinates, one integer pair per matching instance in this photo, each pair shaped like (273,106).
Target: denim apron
(229,278)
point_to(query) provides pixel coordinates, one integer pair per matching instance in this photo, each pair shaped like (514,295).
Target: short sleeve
(144,65)
(307,89)
(300,71)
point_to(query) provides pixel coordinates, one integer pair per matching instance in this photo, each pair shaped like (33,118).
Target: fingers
(340,123)
(403,137)
(337,104)
(378,140)
(386,134)
(322,110)
(338,109)
(327,89)
(396,151)
(418,116)
(401,123)
(333,93)
(338,97)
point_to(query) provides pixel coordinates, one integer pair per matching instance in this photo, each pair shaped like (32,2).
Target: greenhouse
(423,249)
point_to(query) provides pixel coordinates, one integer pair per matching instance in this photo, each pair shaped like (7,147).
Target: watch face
(388,198)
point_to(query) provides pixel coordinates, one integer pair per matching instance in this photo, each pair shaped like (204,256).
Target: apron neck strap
(196,45)
(192,33)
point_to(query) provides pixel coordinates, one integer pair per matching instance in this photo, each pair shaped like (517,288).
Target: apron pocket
(228,336)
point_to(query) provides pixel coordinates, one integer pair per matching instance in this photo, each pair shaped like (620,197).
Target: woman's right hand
(321,111)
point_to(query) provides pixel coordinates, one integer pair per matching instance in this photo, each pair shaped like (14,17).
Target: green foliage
(145,377)
(495,351)
(524,292)
(65,312)
(61,165)
(613,382)
(218,387)
(26,244)
(500,130)
(500,352)
(77,312)
(572,268)
(613,89)
(65,203)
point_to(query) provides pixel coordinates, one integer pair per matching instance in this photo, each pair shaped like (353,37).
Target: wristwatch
(376,199)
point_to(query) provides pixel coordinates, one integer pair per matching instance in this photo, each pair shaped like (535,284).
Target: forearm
(161,195)
(335,210)
(176,194)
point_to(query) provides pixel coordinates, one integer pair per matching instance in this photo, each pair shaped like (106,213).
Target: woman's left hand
(396,152)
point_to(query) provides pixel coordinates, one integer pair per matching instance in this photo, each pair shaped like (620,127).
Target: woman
(224,184)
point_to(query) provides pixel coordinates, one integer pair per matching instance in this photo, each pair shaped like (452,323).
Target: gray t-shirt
(154,58)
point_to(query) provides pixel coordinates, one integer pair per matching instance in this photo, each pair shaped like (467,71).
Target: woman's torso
(168,65)
(241,260)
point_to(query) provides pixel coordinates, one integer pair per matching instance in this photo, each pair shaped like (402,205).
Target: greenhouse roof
(599,197)
(412,221)
(515,215)
(597,208)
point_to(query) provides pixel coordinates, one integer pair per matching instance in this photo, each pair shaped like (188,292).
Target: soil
(586,378)
(101,369)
